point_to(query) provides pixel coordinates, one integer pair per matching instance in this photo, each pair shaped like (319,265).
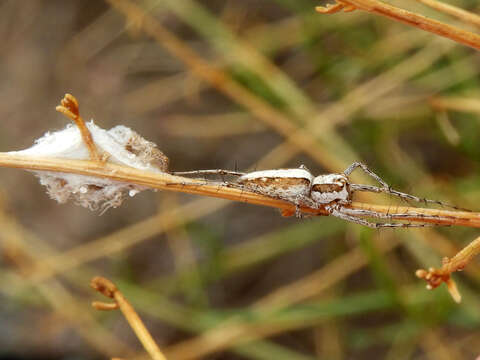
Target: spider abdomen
(285,184)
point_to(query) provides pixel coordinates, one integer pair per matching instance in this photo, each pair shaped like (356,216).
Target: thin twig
(69,107)
(442,217)
(162,181)
(434,277)
(169,182)
(456,103)
(330,8)
(410,18)
(446,126)
(107,288)
(452,10)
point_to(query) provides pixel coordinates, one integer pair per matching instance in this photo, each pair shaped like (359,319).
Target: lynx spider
(333,192)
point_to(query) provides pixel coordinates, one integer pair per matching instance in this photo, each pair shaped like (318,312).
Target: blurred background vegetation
(222,280)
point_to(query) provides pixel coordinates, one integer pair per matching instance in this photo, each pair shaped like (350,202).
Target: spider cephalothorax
(331,188)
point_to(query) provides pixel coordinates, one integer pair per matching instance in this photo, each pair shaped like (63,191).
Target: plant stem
(107,288)
(410,18)
(165,181)
(459,13)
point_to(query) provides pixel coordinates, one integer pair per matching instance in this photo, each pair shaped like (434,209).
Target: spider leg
(385,188)
(195,185)
(389,216)
(304,167)
(347,217)
(402,195)
(306,201)
(298,212)
(208,172)
(339,211)
(369,172)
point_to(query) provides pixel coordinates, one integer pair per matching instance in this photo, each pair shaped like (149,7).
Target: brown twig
(69,107)
(457,12)
(162,181)
(442,217)
(169,182)
(334,8)
(410,18)
(434,277)
(107,288)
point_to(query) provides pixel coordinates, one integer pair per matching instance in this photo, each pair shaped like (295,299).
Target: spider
(333,192)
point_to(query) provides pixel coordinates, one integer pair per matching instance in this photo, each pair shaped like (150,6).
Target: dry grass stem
(108,289)
(446,126)
(169,182)
(162,181)
(461,14)
(456,103)
(442,217)
(407,17)
(334,8)
(69,107)
(435,277)
(103,306)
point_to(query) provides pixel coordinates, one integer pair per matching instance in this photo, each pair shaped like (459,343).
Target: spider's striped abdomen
(285,184)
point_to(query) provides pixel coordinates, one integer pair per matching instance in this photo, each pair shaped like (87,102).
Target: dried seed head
(103,286)
(119,145)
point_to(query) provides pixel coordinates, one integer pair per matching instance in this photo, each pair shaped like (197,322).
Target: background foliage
(360,86)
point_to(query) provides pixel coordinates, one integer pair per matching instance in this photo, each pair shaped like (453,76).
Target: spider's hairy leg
(391,216)
(365,169)
(402,195)
(340,212)
(208,172)
(385,188)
